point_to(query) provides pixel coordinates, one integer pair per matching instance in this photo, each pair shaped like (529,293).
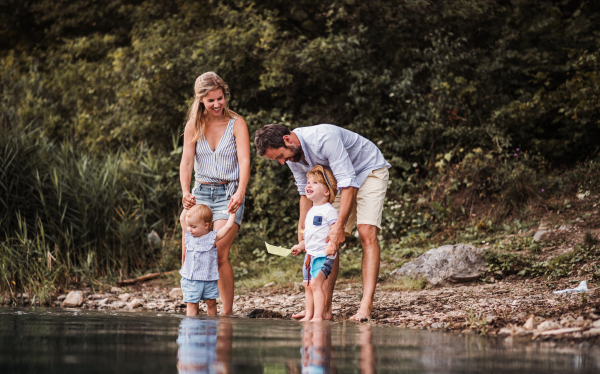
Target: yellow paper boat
(279,251)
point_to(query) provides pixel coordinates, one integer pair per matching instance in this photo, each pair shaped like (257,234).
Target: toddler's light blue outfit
(200,271)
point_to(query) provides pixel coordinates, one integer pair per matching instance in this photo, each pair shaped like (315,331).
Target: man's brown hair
(270,136)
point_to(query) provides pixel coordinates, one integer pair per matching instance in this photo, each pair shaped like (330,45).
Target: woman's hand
(188,201)
(298,248)
(236,202)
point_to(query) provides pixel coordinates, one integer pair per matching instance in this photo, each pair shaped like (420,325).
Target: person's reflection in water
(316,348)
(204,346)
(366,349)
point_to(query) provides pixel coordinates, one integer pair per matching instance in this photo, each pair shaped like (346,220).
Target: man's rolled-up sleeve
(333,149)
(299,176)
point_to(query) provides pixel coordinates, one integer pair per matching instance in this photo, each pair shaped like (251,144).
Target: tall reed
(68,216)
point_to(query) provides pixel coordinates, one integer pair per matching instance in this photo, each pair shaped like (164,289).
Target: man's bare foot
(302,314)
(361,316)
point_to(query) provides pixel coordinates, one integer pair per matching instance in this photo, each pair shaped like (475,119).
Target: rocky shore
(513,308)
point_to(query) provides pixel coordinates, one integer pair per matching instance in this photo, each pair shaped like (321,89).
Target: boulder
(176,293)
(125,296)
(454,263)
(74,299)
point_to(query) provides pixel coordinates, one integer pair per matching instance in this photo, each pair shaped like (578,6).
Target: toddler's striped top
(201,262)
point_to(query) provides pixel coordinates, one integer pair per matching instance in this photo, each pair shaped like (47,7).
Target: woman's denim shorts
(214,196)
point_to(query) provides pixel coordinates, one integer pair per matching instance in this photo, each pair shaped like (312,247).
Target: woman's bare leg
(225,269)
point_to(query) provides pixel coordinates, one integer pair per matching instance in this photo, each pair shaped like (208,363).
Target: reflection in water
(204,346)
(317,351)
(316,348)
(38,340)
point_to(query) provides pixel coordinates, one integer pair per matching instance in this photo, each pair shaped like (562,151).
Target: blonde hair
(206,83)
(201,211)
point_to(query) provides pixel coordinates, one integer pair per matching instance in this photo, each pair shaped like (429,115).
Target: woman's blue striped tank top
(221,164)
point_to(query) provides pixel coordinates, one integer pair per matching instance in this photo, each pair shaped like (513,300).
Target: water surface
(38,340)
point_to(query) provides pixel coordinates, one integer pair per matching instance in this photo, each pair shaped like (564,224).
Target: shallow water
(61,341)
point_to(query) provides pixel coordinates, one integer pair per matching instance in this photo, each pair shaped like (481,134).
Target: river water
(40,340)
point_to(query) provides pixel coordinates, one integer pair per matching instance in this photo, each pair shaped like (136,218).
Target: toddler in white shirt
(321,188)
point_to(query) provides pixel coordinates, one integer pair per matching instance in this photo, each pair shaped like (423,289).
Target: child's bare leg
(192,309)
(211,307)
(318,297)
(309,302)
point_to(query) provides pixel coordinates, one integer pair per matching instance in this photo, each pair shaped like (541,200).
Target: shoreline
(514,308)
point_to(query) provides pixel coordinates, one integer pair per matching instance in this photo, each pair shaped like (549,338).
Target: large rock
(454,263)
(73,300)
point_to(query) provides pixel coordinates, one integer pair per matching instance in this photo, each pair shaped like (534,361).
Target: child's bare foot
(315,319)
(306,319)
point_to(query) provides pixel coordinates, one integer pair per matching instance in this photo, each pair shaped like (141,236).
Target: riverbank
(513,308)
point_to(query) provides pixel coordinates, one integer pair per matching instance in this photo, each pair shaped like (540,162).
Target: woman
(216,145)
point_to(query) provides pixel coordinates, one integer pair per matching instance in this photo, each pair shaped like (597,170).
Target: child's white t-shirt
(316,227)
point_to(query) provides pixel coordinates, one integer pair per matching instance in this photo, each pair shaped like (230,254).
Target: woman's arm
(187,165)
(242,143)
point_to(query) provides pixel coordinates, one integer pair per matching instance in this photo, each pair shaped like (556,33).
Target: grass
(403,284)
(69,218)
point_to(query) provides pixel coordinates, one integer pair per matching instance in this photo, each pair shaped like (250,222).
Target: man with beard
(362,175)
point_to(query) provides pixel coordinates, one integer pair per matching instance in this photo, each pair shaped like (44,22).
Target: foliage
(90,214)
(450,92)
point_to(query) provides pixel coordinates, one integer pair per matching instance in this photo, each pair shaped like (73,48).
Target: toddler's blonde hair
(201,211)
(316,173)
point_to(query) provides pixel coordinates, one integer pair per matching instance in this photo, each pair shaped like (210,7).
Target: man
(362,176)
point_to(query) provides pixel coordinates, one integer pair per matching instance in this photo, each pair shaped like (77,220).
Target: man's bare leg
(370,270)
(328,287)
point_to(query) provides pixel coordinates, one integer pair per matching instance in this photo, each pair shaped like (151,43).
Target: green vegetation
(485,109)
(563,265)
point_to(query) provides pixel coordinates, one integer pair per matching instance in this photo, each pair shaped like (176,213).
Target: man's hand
(188,201)
(334,239)
(298,248)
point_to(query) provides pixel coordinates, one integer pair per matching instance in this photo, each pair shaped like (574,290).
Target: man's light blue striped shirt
(350,156)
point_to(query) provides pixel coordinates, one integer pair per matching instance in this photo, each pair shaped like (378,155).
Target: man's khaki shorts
(369,201)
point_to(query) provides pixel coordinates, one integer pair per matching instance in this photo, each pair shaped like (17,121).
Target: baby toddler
(200,270)
(321,188)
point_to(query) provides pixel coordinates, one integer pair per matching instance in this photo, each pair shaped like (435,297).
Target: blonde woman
(217,147)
